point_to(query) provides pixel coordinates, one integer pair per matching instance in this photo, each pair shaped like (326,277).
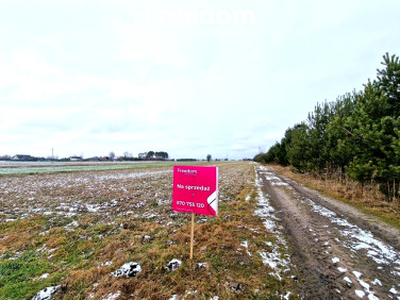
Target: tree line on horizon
(356,136)
(127,156)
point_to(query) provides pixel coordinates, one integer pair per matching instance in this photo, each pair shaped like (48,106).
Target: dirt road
(338,252)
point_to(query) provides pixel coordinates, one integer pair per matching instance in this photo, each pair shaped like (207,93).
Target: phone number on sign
(190,204)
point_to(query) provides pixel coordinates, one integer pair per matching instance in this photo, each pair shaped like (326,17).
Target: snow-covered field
(71,194)
(100,227)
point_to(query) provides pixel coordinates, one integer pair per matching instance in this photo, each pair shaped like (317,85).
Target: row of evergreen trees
(358,135)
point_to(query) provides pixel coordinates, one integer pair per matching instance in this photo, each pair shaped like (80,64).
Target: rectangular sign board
(195,190)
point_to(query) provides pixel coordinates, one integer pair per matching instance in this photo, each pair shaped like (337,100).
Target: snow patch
(112,296)
(72,224)
(348,280)
(128,270)
(372,297)
(376,282)
(174,264)
(365,285)
(245,244)
(46,293)
(271,257)
(202,265)
(360,293)
(359,239)
(394,291)
(107,263)
(335,260)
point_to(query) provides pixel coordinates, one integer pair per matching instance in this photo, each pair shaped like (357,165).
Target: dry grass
(367,197)
(80,227)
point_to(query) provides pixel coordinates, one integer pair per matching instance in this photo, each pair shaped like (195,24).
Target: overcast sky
(191,78)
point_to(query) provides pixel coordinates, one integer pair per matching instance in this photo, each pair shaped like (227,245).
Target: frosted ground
(80,228)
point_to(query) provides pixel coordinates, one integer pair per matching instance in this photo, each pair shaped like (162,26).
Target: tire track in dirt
(336,253)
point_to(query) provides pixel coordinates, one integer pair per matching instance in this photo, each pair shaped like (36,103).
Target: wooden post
(191,237)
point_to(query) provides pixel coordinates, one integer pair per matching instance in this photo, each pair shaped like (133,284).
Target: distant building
(23,157)
(75,158)
(94,158)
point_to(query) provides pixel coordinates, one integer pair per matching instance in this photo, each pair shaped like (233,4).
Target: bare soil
(339,252)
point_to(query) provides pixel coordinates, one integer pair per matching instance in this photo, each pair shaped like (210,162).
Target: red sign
(195,190)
